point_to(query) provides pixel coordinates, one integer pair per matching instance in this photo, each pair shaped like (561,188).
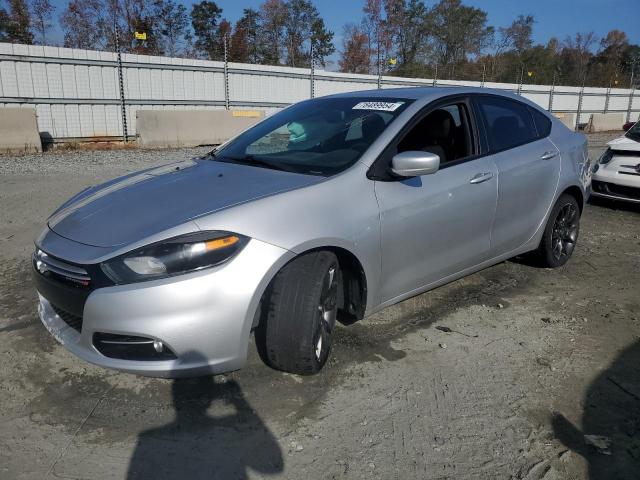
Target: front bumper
(204,318)
(614,191)
(619,179)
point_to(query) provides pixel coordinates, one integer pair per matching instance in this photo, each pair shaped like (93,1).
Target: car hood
(142,204)
(625,143)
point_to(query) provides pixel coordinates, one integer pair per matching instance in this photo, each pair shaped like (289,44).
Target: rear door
(528,168)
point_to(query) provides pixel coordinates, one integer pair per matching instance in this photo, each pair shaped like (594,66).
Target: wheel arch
(575,192)
(353,282)
(352,299)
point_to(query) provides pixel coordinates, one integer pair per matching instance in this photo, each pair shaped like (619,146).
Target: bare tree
(41,14)
(377,35)
(516,39)
(518,34)
(578,50)
(173,26)
(82,23)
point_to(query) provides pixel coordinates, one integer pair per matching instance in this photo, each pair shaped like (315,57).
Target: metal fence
(78,94)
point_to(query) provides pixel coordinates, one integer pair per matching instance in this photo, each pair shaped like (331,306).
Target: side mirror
(415,164)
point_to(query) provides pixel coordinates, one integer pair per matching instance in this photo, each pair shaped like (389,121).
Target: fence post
(123,106)
(435,76)
(226,74)
(521,80)
(379,66)
(606,99)
(580,103)
(631,93)
(484,73)
(312,79)
(551,92)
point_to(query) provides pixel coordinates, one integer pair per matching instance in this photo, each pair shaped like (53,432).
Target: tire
(561,233)
(299,315)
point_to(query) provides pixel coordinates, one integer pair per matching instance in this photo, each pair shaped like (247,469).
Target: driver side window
(444,131)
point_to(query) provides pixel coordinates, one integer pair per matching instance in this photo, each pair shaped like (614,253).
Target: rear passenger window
(543,124)
(509,123)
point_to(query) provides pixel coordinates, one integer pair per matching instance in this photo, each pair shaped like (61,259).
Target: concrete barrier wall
(190,128)
(19,130)
(605,122)
(569,119)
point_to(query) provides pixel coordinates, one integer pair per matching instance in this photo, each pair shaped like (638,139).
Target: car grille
(73,321)
(617,190)
(61,270)
(65,284)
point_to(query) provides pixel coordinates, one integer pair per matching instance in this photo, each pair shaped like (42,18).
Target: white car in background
(617,174)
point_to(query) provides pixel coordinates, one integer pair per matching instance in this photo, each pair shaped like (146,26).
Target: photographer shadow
(216,434)
(612,415)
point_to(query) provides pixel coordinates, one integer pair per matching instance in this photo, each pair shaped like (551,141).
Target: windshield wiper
(252,160)
(212,155)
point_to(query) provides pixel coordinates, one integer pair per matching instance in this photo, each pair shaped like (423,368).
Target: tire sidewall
(291,317)
(546,246)
(315,325)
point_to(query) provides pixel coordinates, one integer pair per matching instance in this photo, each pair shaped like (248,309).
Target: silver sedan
(330,210)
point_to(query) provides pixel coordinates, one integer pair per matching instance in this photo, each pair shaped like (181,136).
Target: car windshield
(315,137)
(634,132)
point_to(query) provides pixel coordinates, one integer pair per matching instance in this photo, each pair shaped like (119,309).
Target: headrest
(372,127)
(438,124)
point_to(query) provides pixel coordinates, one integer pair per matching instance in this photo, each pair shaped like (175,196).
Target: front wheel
(301,308)
(561,233)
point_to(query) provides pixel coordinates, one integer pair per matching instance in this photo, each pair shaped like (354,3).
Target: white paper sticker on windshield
(384,106)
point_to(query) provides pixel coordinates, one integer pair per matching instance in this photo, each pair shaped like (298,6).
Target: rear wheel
(296,330)
(561,233)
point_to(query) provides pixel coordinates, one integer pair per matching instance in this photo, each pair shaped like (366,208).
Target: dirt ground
(556,357)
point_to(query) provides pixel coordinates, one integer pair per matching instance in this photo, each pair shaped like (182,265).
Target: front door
(436,225)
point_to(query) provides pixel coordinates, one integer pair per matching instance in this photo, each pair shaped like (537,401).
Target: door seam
(379,286)
(495,206)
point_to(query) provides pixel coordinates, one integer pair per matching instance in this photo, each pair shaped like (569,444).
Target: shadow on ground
(216,434)
(615,204)
(612,411)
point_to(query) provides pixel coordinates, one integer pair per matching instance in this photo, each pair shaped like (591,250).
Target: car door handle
(548,155)
(481,177)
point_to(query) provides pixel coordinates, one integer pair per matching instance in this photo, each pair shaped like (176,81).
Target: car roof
(416,93)
(428,94)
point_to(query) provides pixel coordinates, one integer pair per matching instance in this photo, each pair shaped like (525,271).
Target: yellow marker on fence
(140,35)
(246,113)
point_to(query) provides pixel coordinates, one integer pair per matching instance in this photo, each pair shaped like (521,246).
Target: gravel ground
(555,358)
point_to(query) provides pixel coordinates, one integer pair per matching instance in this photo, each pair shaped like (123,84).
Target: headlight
(606,157)
(178,255)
